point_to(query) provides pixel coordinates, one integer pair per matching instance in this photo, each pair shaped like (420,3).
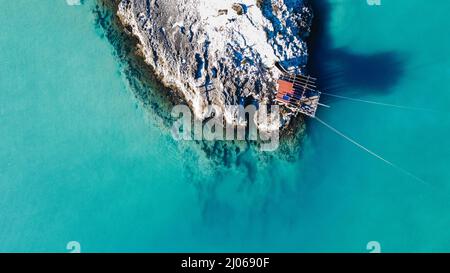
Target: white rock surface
(219,52)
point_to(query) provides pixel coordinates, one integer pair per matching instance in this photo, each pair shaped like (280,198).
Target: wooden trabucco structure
(298,93)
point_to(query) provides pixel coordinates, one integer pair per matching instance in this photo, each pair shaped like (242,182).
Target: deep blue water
(81,160)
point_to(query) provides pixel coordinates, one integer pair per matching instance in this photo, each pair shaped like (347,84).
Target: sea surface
(81,160)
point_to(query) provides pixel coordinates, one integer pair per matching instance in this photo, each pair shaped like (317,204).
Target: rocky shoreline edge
(160,99)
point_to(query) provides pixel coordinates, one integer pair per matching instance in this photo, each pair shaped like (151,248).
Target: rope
(371,152)
(378,103)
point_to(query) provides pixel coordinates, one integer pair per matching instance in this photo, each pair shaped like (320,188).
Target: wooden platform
(298,93)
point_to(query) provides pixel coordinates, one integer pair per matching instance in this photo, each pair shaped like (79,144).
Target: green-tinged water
(80,160)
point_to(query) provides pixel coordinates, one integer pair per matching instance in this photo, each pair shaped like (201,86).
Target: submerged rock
(219,52)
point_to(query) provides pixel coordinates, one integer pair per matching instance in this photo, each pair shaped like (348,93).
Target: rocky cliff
(220,52)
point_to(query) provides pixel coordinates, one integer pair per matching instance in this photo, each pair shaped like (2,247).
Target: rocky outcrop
(219,52)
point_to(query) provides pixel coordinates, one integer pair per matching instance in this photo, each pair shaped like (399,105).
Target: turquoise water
(80,160)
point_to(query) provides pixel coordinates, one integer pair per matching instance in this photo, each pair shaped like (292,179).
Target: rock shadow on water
(344,72)
(340,69)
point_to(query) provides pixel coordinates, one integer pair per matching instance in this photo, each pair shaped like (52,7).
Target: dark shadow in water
(344,72)
(340,69)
